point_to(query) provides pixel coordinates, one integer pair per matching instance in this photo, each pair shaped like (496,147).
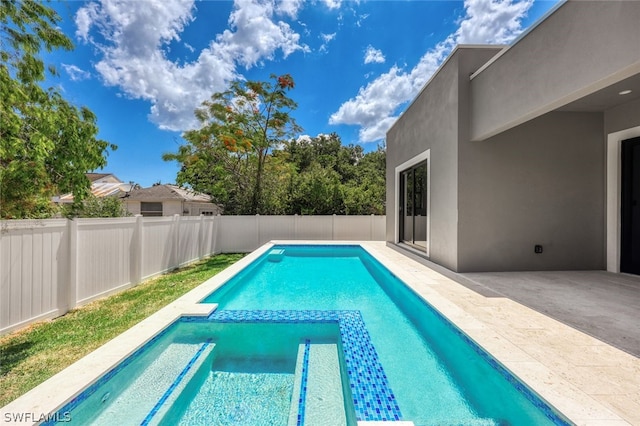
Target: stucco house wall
(540,183)
(133,207)
(524,144)
(170,208)
(582,47)
(432,124)
(622,117)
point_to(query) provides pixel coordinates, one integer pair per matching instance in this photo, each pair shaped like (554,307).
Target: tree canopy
(227,156)
(46,144)
(328,177)
(247,157)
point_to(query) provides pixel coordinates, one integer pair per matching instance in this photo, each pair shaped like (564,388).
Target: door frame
(424,156)
(626,225)
(614,196)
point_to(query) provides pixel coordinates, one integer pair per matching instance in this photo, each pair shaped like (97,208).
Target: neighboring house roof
(102,185)
(167,192)
(97,176)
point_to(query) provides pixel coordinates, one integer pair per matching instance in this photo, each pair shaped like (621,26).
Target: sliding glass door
(413,206)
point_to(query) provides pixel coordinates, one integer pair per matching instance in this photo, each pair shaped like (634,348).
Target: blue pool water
(201,372)
(436,374)
(252,377)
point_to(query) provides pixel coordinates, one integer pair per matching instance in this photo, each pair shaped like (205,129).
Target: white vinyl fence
(48,267)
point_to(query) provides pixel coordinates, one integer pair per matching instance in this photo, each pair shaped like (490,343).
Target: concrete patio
(602,304)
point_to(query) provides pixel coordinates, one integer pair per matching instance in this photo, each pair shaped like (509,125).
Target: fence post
(72,286)
(137,251)
(176,241)
(201,237)
(333,227)
(257,231)
(295,226)
(371,222)
(215,237)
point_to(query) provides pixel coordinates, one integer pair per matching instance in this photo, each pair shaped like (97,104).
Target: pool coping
(587,380)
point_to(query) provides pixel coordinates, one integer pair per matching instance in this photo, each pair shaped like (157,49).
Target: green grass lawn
(30,356)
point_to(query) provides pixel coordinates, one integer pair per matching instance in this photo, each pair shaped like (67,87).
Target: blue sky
(144,66)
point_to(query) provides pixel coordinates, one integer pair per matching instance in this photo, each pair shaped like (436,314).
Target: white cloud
(289,7)
(76,73)
(326,39)
(375,101)
(494,21)
(308,139)
(373,55)
(374,108)
(85,17)
(372,133)
(361,19)
(304,139)
(305,28)
(332,4)
(255,35)
(134,37)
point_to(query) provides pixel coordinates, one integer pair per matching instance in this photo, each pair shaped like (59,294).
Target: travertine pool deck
(589,381)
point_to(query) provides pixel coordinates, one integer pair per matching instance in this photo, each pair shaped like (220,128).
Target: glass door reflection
(413,206)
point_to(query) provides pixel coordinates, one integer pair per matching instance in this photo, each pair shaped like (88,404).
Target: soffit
(606,98)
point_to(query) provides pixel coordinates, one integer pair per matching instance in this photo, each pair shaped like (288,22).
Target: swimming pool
(437,374)
(394,357)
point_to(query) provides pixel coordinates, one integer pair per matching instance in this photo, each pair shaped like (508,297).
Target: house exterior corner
(513,157)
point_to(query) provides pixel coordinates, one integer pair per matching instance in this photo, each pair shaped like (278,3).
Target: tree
(317,191)
(366,192)
(227,156)
(46,144)
(93,206)
(331,178)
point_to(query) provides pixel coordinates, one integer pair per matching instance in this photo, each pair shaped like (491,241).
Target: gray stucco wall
(575,51)
(622,117)
(432,122)
(539,183)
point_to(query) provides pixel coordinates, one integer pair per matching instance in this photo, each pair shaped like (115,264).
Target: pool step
(190,377)
(275,255)
(317,393)
(153,375)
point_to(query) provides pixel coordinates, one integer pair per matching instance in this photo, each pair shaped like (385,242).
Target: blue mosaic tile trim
(175,384)
(303,383)
(328,245)
(372,395)
(79,399)
(275,316)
